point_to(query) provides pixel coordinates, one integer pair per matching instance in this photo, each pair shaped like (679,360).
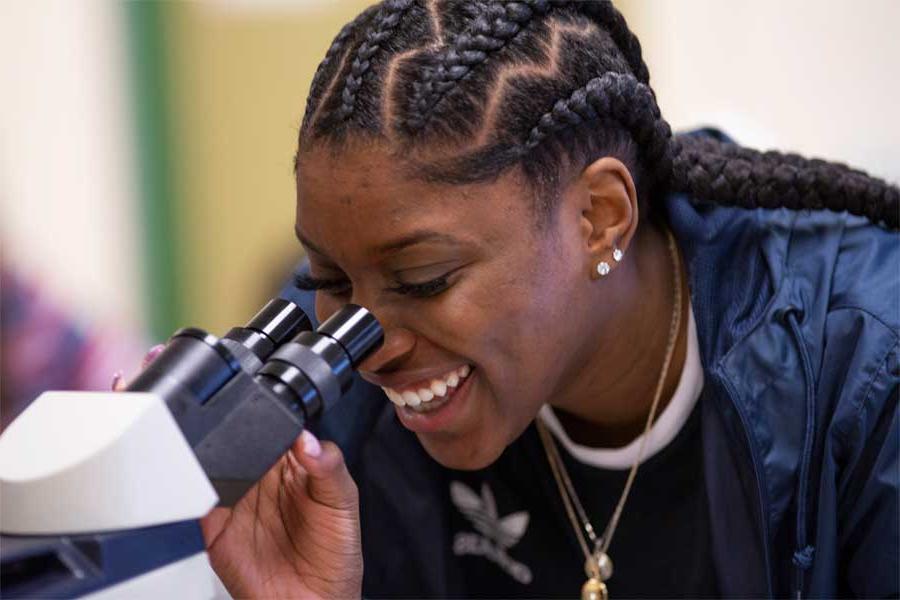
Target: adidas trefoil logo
(495,535)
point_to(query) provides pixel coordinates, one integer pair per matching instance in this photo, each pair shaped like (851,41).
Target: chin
(463,453)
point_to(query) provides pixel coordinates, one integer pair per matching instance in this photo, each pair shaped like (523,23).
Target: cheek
(534,331)
(506,315)
(513,324)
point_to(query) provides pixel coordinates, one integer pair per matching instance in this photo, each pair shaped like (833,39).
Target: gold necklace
(598,566)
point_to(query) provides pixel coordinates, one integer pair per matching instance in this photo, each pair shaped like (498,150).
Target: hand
(295,534)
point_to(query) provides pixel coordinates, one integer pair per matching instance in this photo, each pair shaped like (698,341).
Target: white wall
(68,197)
(821,77)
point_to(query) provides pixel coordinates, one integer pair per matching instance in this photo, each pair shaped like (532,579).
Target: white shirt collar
(663,431)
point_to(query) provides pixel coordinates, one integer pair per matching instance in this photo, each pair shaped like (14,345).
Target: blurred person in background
(42,347)
(570,292)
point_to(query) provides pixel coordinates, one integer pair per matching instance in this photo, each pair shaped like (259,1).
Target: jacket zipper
(761,496)
(803,555)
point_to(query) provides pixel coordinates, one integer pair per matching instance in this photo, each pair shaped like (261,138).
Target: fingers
(328,481)
(118,379)
(118,382)
(151,355)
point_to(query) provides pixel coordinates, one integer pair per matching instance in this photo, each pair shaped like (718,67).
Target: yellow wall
(239,76)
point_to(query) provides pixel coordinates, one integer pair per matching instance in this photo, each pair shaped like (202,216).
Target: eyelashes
(338,287)
(306,282)
(422,290)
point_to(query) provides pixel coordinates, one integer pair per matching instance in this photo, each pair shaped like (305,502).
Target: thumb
(328,481)
(214,523)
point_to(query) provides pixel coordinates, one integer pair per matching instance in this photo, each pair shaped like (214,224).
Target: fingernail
(311,446)
(117,377)
(152,354)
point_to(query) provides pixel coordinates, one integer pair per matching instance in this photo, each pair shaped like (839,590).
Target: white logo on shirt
(496,534)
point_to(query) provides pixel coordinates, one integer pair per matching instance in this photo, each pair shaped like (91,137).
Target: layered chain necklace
(598,566)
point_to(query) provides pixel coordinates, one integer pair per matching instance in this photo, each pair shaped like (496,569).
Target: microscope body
(107,504)
(102,492)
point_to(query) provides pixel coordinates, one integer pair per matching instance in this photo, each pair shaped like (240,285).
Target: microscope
(101,492)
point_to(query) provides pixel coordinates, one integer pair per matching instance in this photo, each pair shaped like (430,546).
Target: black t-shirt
(503,531)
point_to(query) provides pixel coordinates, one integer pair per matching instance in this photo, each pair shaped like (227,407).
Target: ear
(609,215)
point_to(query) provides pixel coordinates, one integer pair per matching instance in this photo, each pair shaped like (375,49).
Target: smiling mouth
(432,395)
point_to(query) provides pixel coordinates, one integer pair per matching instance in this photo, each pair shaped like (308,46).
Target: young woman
(569,293)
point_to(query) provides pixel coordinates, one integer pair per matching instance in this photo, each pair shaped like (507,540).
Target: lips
(441,414)
(429,394)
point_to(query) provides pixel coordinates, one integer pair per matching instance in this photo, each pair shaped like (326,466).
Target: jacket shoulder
(740,260)
(792,305)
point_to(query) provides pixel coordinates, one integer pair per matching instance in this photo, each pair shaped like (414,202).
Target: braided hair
(477,87)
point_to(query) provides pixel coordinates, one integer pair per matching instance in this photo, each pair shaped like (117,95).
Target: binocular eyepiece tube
(242,400)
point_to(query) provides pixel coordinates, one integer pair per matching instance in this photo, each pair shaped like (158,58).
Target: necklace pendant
(599,566)
(594,589)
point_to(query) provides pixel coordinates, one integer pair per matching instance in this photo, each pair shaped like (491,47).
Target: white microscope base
(191,579)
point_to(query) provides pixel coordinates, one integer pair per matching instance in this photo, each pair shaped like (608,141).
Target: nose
(398,346)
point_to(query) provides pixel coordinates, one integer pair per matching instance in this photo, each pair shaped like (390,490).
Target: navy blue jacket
(798,318)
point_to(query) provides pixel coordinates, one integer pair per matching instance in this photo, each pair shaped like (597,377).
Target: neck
(611,401)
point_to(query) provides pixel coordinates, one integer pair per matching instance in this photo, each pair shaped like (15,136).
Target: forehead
(359,178)
(365,195)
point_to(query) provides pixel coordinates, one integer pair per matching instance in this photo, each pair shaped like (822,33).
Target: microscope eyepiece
(276,323)
(280,320)
(325,357)
(356,330)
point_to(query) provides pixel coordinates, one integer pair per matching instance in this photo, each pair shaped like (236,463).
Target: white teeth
(411,398)
(394,396)
(438,387)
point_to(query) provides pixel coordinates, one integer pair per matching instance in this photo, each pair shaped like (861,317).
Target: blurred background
(146,148)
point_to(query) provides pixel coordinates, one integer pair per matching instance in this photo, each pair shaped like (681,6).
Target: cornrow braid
(318,82)
(496,26)
(724,173)
(492,31)
(714,171)
(380,30)
(594,101)
(616,96)
(604,13)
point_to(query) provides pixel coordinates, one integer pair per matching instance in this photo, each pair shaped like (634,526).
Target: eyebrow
(415,237)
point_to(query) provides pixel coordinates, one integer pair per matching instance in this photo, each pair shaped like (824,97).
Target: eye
(334,287)
(422,290)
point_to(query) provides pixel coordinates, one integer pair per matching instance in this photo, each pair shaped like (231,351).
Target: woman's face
(469,290)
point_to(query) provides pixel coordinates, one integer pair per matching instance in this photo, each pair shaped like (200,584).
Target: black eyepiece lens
(356,330)
(280,320)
